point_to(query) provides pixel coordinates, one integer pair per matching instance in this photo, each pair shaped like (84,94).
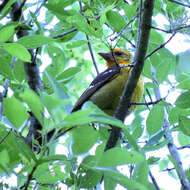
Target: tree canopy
(49,55)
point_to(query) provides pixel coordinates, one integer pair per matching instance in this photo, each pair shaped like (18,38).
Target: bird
(106,89)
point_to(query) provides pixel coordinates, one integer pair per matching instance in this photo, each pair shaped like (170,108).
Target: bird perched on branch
(106,89)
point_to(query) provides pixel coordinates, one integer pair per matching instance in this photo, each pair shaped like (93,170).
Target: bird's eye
(118,53)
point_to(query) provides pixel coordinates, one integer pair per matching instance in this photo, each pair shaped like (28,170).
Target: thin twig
(160,46)
(30,176)
(92,54)
(65,33)
(154,181)
(171,146)
(124,37)
(171,30)
(68,32)
(149,95)
(147,103)
(39,8)
(179,3)
(115,60)
(123,29)
(89,44)
(22,4)
(183,147)
(168,169)
(1,141)
(140,22)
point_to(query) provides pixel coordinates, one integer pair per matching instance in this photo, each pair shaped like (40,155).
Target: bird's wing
(103,78)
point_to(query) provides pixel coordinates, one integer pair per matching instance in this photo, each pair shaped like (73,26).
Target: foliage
(61,31)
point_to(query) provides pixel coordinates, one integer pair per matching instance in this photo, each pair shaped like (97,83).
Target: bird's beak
(106,56)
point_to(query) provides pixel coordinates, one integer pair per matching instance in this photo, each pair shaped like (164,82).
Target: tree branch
(182,147)
(171,146)
(3,4)
(125,102)
(172,30)
(65,33)
(140,22)
(147,103)
(26,185)
(154,181)
(123,29)
(89,44)
(179,3)
(160,46)
(32,72)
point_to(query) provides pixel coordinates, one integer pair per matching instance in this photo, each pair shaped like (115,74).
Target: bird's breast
(108,96)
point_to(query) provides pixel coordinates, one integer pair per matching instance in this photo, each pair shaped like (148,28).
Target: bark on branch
(171,146)
(125,102)
(32,72)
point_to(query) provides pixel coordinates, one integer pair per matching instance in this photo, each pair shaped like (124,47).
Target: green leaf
(34,41)
(68,73)
(9,144)
(15,111)
(19,71)
(34,103)
(155,139)
(130,10)
(5,68)
(4,158)
(75,44)
(51,102)
(156,146)
(87,177)
(24,149)
(7,8)
(184,125)
(43,174)
(6,33)
(18,51)
(183,139)
(141,172)
(119,156)
(156,37)
(109,183)
(103,15)
(60,93)
(80,23)
(162,70)
(90,114)
(123,180)
(183,100)
(57,157)
(155,119)
(83,139)
(184,84)
(115,20)
(174,115)
(182,65)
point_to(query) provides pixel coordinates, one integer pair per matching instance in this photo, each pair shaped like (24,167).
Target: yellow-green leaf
(18,51)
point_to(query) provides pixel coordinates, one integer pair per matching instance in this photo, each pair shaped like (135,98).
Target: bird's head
(122,56)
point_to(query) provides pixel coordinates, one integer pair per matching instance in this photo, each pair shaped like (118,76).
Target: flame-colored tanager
(106,89)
